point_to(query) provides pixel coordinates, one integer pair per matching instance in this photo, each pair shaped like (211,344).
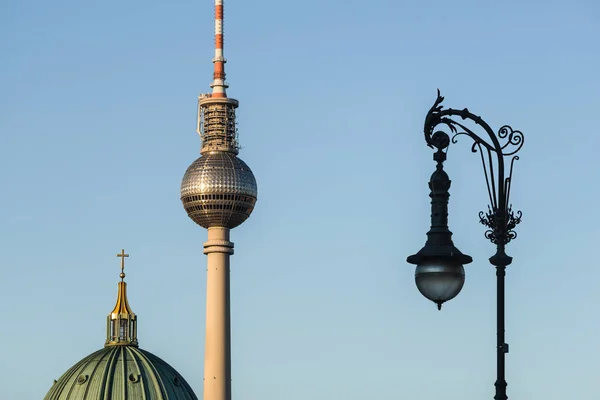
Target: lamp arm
(500,218)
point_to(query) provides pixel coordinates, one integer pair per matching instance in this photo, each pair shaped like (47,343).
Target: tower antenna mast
(217,124)
(218,85)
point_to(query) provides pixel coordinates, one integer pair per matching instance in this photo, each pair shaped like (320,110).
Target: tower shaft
(217,351)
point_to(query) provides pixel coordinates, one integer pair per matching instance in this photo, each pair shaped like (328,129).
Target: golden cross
(122,255)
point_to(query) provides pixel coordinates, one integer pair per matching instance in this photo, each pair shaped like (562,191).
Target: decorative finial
(122,255)
(121,329)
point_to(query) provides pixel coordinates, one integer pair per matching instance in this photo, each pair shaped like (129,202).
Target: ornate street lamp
(439,274)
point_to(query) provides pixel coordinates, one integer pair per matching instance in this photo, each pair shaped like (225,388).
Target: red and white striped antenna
(217,124)
(218,85)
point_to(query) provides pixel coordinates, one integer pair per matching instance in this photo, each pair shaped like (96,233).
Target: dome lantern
(121,323)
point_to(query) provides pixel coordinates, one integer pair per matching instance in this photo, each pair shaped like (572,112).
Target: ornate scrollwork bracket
(506,143)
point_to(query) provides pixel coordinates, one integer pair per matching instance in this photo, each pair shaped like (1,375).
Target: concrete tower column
(217,350)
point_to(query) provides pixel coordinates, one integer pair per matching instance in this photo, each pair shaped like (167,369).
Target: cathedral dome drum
(120,373)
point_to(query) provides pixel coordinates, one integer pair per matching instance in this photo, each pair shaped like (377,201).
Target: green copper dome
(119,373)
(121,370)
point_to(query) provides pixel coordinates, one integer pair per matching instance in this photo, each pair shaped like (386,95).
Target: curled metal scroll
(506,143)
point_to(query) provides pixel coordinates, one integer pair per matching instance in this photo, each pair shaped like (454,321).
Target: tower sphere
(218,189)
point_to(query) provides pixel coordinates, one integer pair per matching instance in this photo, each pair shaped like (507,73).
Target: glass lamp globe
(439,281)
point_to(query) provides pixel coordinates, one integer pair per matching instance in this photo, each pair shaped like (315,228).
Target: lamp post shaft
(502,347)
(500,260)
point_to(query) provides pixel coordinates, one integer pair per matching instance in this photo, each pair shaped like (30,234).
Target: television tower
(218,192)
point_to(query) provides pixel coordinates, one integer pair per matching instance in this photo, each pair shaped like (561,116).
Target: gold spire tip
(122,255)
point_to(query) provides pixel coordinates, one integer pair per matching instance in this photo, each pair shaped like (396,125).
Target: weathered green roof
(120,373)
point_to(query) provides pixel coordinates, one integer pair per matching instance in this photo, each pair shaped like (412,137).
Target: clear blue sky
(97,122)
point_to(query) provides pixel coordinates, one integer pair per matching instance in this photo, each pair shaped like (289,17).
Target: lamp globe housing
(439,282)
(439,274)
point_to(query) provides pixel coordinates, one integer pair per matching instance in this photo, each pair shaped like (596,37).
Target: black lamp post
(439,274)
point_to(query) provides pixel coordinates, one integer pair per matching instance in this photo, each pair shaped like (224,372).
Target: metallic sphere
(218,189)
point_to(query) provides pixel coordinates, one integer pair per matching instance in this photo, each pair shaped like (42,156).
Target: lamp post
(439,274)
